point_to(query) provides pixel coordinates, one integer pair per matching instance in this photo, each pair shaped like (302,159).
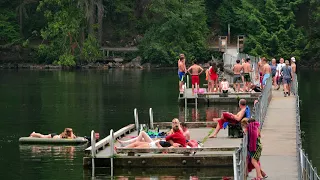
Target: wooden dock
(279,154)
(217,152)
(216,97)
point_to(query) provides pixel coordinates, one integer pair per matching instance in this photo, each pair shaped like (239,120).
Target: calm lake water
(49,101)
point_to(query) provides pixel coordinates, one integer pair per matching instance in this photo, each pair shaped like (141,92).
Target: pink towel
(253,135)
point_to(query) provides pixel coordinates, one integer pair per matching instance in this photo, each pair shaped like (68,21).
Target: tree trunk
(100,20)
(91,20)
(21,21)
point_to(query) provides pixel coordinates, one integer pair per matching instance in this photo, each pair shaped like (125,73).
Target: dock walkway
(279,155)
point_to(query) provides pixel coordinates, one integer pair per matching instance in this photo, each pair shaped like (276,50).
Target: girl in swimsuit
(251,127)
(213,77)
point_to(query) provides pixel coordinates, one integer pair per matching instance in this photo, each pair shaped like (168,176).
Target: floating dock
(214,152)
(216,97)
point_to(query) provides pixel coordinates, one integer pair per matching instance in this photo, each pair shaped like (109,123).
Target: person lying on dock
(66,134)
(144,141)
(230,118)
(251,127)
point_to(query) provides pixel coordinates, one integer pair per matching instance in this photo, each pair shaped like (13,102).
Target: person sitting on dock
(224,85)
(195,80)
(230,118)
(185,131)
(237,68)
(66,134)
(255,88)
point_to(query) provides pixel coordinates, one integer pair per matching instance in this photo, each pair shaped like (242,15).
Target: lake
(47,101)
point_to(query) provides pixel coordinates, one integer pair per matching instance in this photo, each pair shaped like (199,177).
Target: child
(251,128)
(224,85)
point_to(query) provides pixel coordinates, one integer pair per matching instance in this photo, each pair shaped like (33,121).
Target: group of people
(251,128)
(178,136)
(213,73)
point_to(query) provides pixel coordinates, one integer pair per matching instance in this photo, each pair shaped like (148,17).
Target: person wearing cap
(287,78)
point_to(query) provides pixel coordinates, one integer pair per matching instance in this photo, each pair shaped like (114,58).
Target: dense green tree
(177,27)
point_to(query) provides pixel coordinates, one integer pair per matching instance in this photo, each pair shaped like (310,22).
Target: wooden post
(228,33)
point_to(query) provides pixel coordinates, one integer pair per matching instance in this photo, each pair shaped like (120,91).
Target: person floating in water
(195,80)
(66,134)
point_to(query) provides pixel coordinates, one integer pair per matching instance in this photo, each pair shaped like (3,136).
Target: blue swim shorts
(265,77)
(181,75)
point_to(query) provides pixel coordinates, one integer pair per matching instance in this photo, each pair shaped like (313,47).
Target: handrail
(151,118)
(136,119)
(306,171)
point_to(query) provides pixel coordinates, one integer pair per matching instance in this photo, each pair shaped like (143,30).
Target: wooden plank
(216,160)
(179,150)
(120,49)
(104,142)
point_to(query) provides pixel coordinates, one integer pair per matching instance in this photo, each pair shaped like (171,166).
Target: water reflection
(162,173)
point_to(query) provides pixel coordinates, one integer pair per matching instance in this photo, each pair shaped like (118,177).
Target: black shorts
(164,143)
(225,91)
(53,134)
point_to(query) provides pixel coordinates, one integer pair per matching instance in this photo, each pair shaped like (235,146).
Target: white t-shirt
(279,67)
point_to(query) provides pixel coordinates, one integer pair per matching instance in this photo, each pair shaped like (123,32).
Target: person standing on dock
(246,74)
(237,68)
(279,74)
(195,80)
(287,78)
(293,65)
(266,71)
(181,71)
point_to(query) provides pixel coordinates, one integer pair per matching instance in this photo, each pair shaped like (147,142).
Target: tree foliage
(176,27)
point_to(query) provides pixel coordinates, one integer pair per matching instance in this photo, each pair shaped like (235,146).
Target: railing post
(185,105)
(235,162)
(151,118)
(111,151)
(187,82)
(136,119)
(93,152)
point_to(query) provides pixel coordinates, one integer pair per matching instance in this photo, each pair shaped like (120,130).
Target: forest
(70,32)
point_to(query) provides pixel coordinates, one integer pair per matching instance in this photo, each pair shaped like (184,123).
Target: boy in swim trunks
(181,70)
(195,68)
(246,74)
(237,68)
(266,71)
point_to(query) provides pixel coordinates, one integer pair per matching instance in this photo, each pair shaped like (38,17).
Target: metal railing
(306,171)
(240,162)
(260,108)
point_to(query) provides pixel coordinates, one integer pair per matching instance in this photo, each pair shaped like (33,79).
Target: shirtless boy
(237,75)
(195,68)
(259,72)
(246,74)
(266,71)
(293,66)
(181,70)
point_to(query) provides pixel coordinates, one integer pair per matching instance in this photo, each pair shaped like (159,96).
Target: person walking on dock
(231,118)
(195,80)
(274,71)
(181,70)
(246,74)
(287,78)
(279,74)
(237,68)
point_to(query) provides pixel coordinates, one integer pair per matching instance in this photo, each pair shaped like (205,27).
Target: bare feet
(121,143)
(213,136)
